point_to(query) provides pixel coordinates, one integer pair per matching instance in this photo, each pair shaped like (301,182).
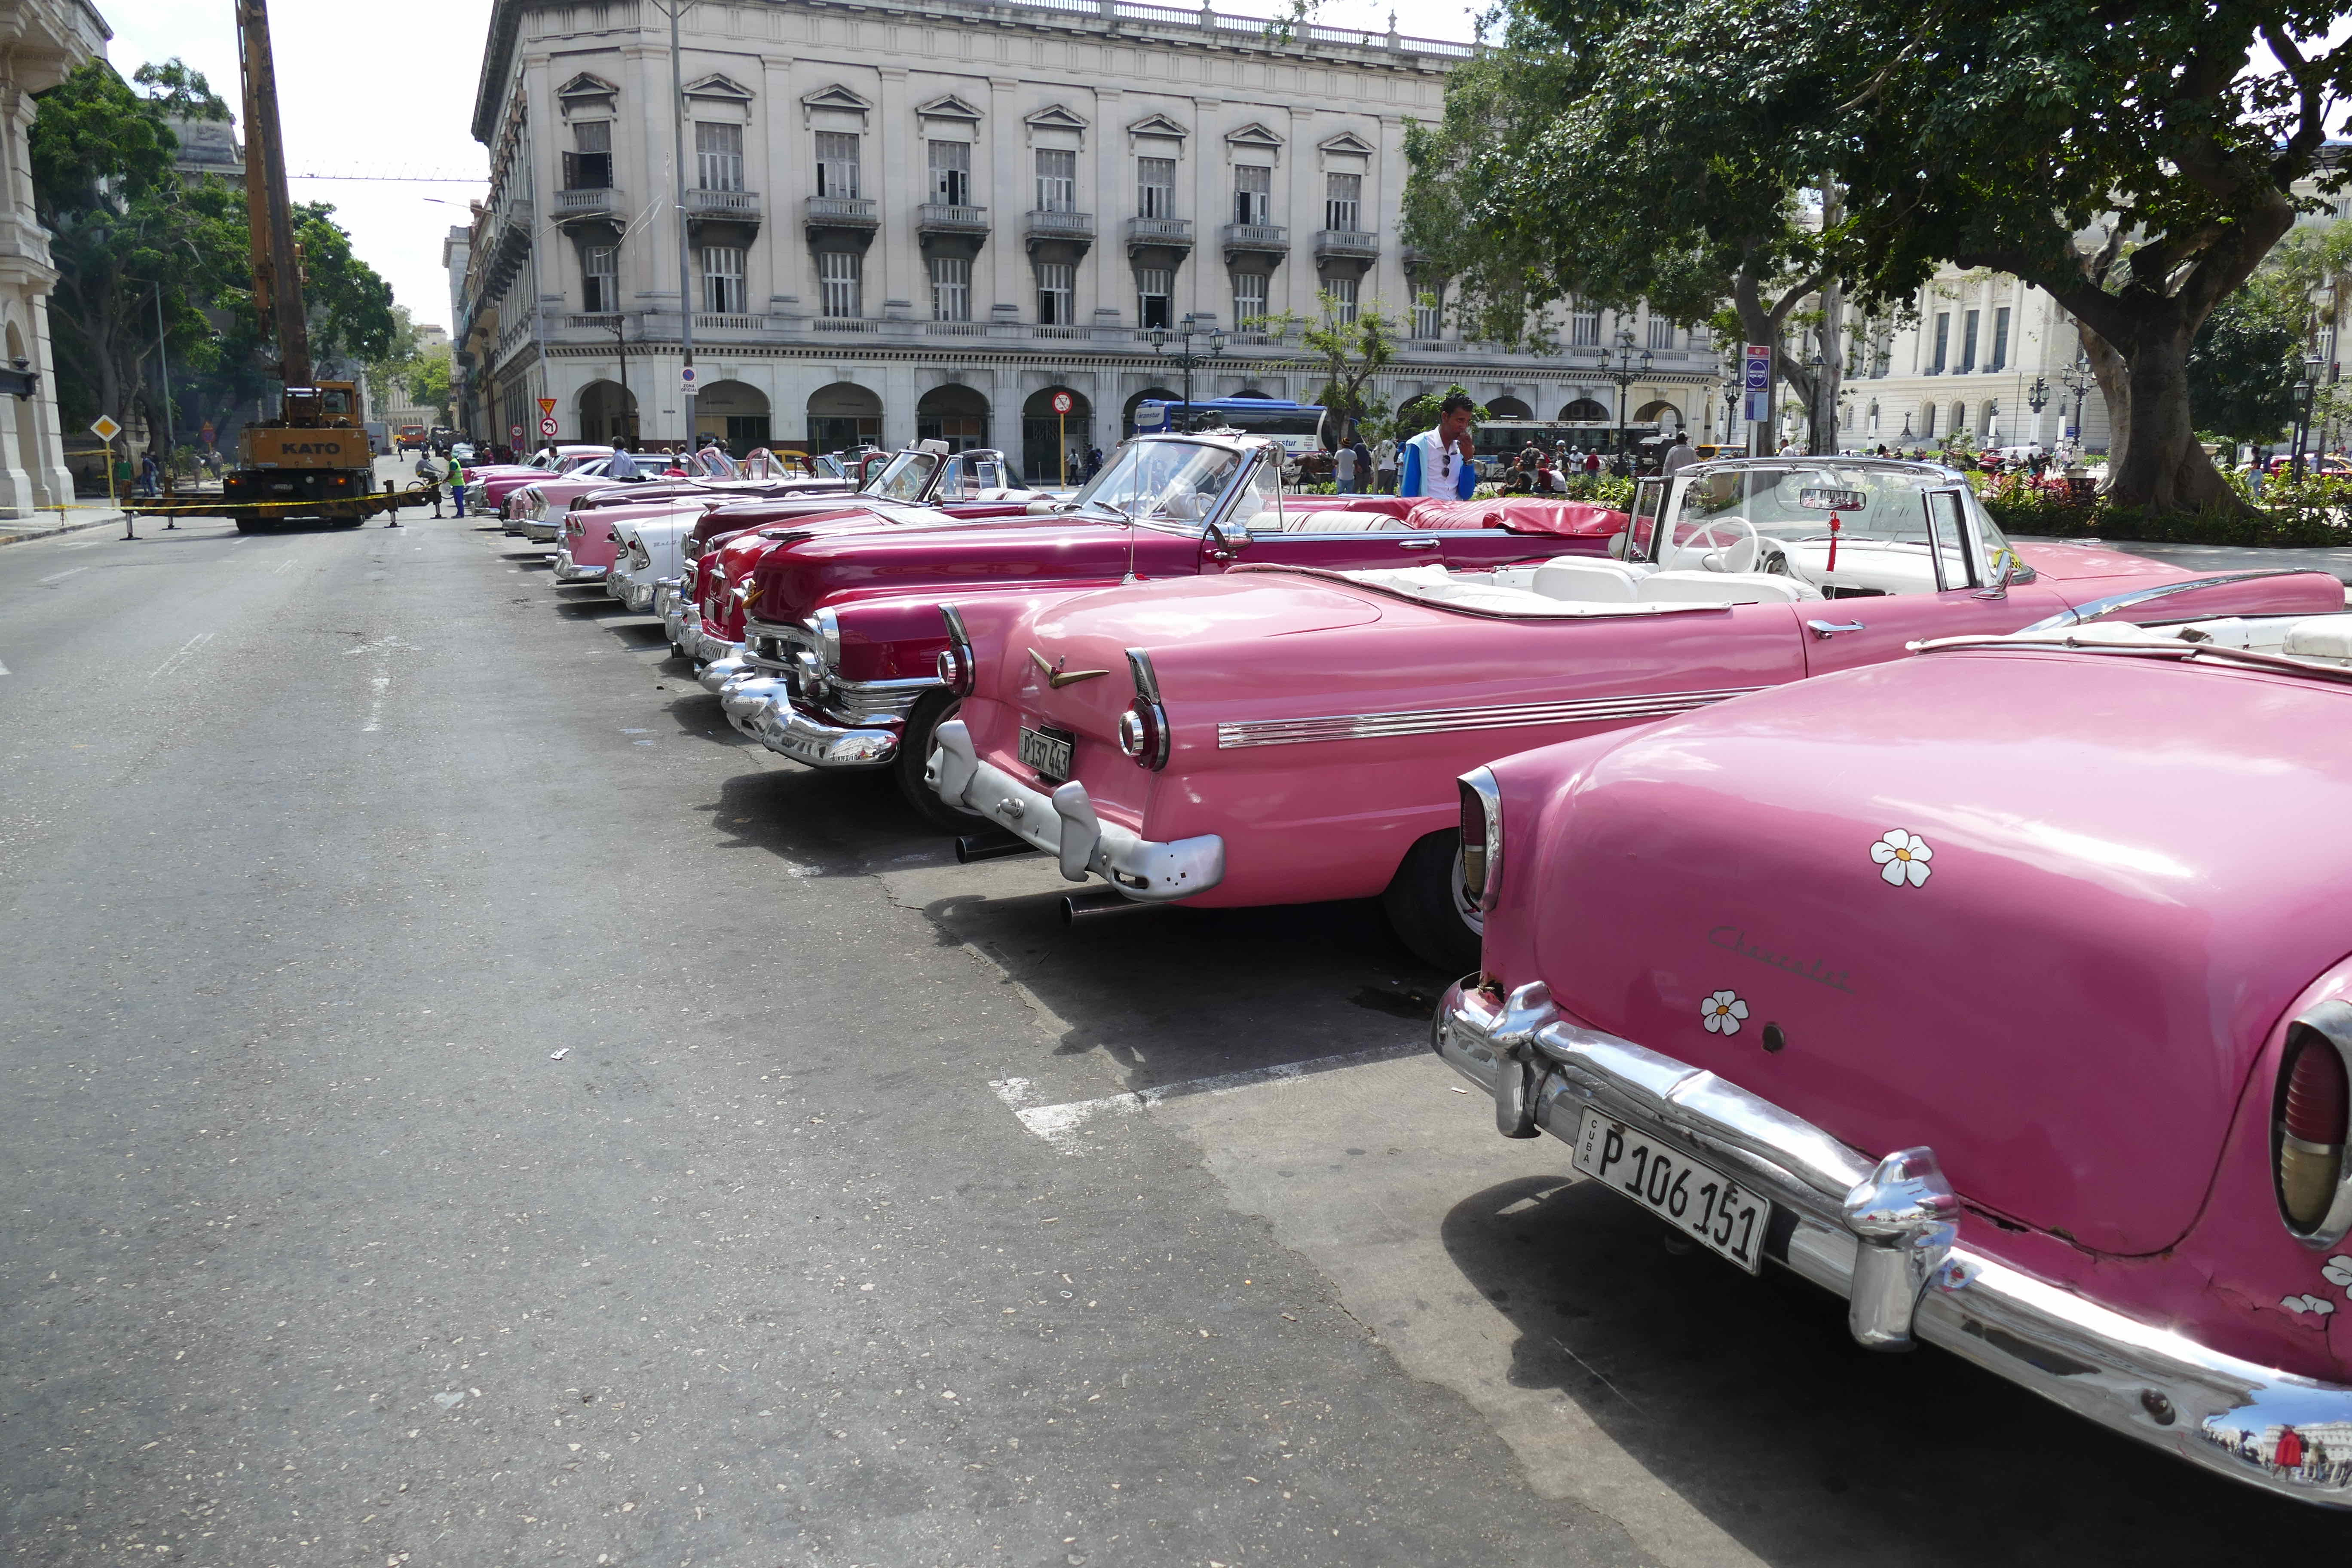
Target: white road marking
(54,578)
(281,566)
(80,544)
(1060,1125)
(188,650)
(381,682)
(4,670)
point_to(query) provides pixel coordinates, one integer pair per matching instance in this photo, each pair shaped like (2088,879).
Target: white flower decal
(1721,1013)
(1904,855)
(2319,1304)
(2337,1271)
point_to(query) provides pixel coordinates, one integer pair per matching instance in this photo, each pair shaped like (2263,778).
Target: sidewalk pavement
(2221,557)
(68,520)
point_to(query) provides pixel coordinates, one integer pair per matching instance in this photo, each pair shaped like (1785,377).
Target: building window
(600,292)
(837,164)
(1583,328)
(722,279)
(1429,313)
(951,180)
(1155,184)
(1249,299)
(1343,298)
(1253,193)
(1343,202)
(1967,342)
(1154,285)
(718,156)
(1661,332)
(1943,342)
(1874,419)
(841,281)
(950,286)
(1057,181)
(2000,360)
(1056,292)
(589,168)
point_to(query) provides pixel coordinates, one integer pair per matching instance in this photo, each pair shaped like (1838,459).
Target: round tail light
(1143,734)
(2315,1107)
(955,671)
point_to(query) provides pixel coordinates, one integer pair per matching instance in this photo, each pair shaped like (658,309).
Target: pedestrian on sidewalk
(1384,463)
(1343,471)
(458,483)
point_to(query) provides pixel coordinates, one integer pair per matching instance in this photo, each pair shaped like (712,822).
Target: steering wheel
(1720,559)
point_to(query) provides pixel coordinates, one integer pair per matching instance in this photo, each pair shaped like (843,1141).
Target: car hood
(990,552)
(2133,869)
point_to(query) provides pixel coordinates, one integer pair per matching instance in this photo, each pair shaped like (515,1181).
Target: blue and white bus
(1296,425)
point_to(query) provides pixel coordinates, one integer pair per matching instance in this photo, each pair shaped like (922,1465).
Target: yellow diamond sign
(105,429)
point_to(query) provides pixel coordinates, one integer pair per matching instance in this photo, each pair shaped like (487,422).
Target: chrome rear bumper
(1883,1234)
(634,593)
(761,706)
(543,530)
(1064,825)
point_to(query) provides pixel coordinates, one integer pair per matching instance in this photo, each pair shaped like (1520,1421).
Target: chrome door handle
(1831,629)
(1418,543)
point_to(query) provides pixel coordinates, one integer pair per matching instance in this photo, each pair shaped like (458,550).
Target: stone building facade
(48,41)
(914,218)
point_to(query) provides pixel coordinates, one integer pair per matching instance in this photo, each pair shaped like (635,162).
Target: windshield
(904,479)
(1794,502)
(1163,481)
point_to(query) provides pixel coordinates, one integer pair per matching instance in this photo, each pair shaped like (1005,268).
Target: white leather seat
(2322,637)
(1721,588)
(1588,581)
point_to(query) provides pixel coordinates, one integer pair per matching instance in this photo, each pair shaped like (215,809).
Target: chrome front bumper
(1064,825)
(569,571)
(1883,1234)
(761,706)
(543,530)
(634,593)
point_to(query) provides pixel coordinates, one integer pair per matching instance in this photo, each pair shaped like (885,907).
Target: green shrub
(2315,513)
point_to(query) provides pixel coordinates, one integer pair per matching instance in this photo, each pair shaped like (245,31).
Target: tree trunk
(1822,432)
(2159,463)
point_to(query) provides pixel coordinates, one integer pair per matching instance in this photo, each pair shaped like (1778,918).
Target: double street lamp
(1185,357)
(2037,397)
(1624,372)
(2077,379)
(2313,368)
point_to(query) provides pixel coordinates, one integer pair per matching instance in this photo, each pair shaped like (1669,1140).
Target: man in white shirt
(1384,463)
(1437,461)
(1343,471)
(1679,456)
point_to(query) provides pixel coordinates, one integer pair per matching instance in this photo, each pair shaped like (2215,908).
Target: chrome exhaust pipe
(973,848)
(1077,907)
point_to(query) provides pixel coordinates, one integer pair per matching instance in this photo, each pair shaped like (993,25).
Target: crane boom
(270,213)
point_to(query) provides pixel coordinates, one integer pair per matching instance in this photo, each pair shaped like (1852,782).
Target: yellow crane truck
(312,460)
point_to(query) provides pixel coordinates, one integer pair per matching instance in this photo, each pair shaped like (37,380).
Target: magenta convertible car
(2003,990)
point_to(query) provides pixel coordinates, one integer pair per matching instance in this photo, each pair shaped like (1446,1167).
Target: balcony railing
(942,217)
(1346,245)
(592,324)
(845,323)
(841,212)
(1255,238)
(1046,224)
(1172,233)
(956,329)
(728,206)
(596,202)
(703,323)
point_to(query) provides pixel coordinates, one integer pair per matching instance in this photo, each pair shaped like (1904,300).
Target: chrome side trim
(1440,721)
(2216,1411)
(2076,615)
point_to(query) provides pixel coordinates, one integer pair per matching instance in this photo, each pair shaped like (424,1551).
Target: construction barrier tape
(415,495)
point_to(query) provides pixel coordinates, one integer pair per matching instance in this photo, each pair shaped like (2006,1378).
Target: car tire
(1425,909)
(248,526)
(931,710)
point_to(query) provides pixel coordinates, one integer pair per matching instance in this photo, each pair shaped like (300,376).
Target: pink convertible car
(1268,736)
(2002,991)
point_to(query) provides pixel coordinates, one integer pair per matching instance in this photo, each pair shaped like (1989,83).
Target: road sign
(1063,402)
(546,409)
(514,432)
(105,429)
(546,428)
(686,379)
(206,432)
(1756,378)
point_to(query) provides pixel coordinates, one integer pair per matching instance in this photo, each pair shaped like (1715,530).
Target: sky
(398,97)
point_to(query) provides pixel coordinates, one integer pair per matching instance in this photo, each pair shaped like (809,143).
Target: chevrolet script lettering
(1734,939)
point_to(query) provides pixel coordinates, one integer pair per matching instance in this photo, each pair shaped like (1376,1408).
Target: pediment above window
(1158,125)
(1349,144)
(949,107)
(837,98)
(1055,117)
(1254,134)
(719,86)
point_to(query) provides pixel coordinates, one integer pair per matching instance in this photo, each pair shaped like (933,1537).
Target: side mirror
(1216,545)
(2005,571)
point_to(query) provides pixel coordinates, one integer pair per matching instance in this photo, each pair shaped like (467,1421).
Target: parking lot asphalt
(467,1106)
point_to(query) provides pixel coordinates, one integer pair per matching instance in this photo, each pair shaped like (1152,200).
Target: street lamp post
(1624,372)
(1186,358)
(2078,380)
(2037,397)
(2312,369)
(1814,362)
(1730,405)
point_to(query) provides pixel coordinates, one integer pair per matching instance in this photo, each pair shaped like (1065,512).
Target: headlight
(1482,836)
(827,626)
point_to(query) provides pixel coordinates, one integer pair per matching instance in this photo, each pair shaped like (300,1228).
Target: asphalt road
(465,1107)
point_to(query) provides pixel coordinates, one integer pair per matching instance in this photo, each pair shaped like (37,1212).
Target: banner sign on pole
(1757,379)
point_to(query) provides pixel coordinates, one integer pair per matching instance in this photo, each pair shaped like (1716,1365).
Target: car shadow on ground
(1747,1396)
(588,602)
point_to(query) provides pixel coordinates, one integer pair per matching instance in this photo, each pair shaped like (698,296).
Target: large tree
(2136,162)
